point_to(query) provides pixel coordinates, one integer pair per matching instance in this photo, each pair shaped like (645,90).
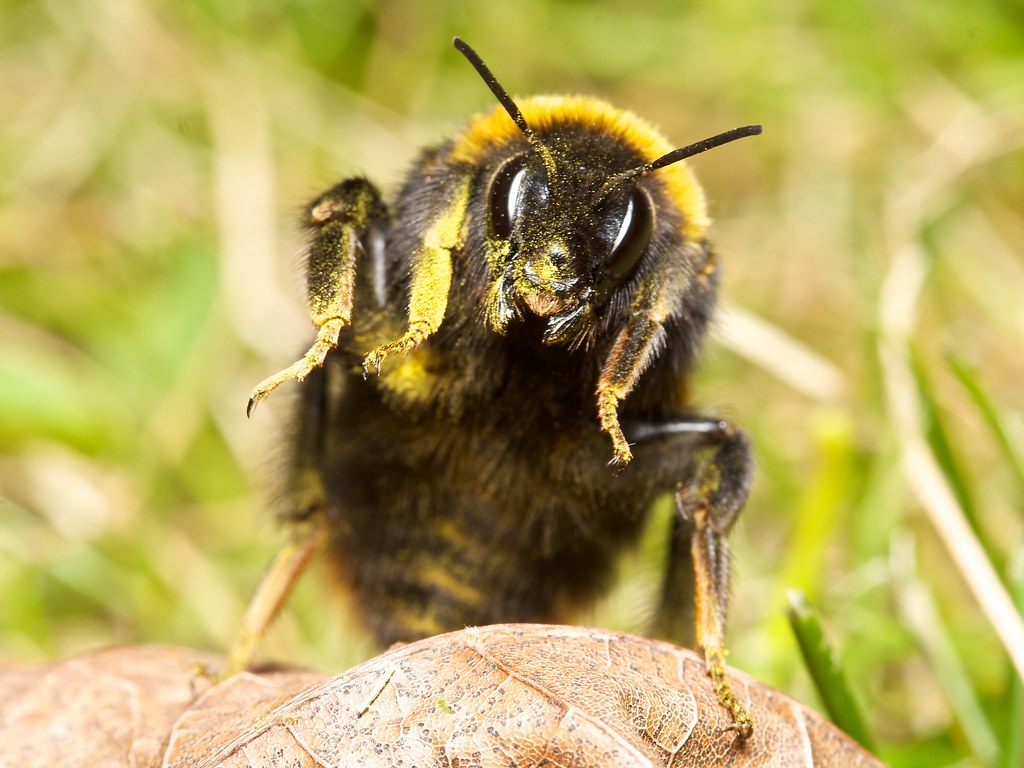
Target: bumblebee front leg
(708,506)
(431,274)
(339,219)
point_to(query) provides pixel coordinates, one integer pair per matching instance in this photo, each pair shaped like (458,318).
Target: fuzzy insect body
(498,389)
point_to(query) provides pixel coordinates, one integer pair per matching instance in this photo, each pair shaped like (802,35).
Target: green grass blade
(995,421)
(1013,751)
(826,671)
(940,442)
(920,614)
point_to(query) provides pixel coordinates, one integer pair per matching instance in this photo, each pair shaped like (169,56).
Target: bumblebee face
(573,214)
(571,229)
(561,241)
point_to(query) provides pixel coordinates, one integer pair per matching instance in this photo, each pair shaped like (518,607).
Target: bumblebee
(497,391)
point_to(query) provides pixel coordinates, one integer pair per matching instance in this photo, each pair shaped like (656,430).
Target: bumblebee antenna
(510,106)
(681,154)
(701,146)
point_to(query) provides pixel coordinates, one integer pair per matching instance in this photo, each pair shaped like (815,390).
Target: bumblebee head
(576,215)
(559,241)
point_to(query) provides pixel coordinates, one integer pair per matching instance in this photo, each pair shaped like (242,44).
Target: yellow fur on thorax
(542,112)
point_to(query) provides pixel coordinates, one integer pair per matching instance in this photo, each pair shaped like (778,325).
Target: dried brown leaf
(510,695)
(110,708)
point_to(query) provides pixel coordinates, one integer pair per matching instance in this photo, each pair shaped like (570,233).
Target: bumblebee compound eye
(503,198)
(633,236)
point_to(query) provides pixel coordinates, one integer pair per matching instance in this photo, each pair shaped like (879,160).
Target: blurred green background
(153,157)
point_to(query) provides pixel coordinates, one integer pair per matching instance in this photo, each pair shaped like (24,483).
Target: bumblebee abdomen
(437,530)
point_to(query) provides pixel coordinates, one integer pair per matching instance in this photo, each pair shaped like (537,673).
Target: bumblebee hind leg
(274,588)
(306,501)
(712,504)
(676,619)
(708,505)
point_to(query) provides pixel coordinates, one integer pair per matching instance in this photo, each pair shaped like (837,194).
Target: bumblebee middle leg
(341,220)
(708,505)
